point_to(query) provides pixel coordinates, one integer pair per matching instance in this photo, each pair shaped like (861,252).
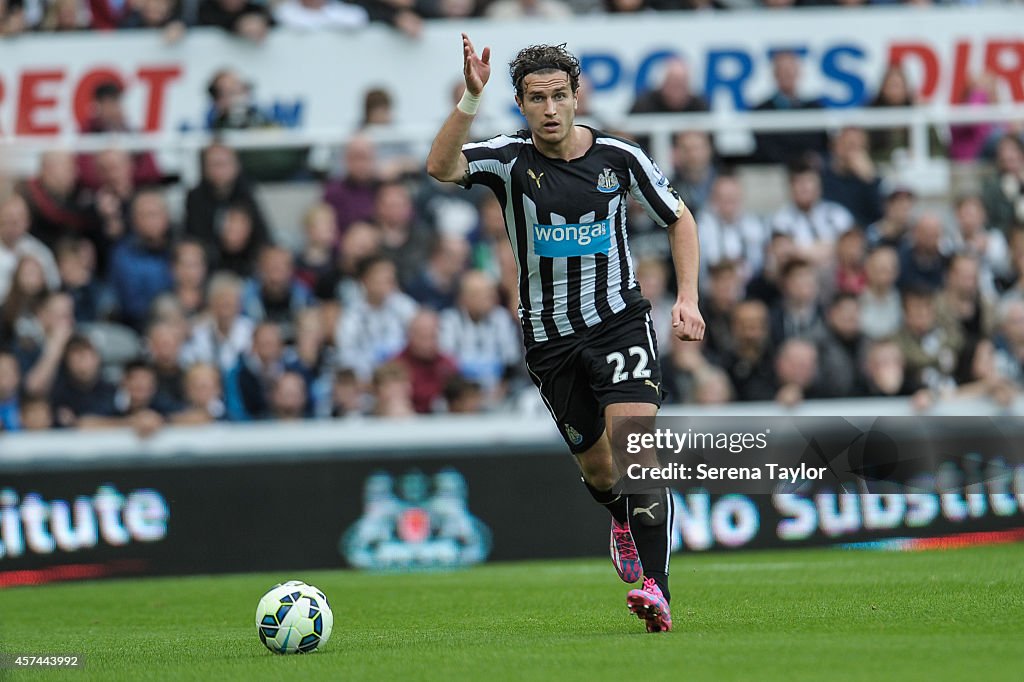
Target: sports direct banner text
(318,80)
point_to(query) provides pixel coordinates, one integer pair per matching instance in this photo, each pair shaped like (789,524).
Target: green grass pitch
(795,615)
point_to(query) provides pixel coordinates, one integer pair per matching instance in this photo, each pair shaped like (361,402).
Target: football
(294,618)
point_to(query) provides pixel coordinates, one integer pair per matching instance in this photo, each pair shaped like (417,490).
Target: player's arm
(446,162)
(687,322)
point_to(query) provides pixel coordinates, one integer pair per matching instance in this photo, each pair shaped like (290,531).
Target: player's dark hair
(537,58)
(795,265)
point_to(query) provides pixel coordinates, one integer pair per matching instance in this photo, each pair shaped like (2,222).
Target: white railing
(448,435)
(180,149)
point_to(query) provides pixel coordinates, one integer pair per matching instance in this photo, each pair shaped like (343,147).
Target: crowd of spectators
(402,297)
(253,19)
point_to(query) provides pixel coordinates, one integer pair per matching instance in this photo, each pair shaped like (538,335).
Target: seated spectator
(134,404)
(798,314)
(108,14)
(481,336)
(814,223)
(839,352)
(680,367)
(17,16)
(973,236)
(347,397)
(796,372)
(189,271)
(404,237)
(931,346)
(222,187)
(721,296)
(652,274)
(1003,193)
(222,334)
(711,386)
(694,168)
(922,258)
(36,414)
(245,18)
(316,266)
(894,91)
(232,108)
(288,398)
(106,115)
(156,14)
(140,267)
(850,179)
(94,300)
(1009,340)
(436,284)
(673,94)
(80,389)
(16,243)
(257,371)
(392,391)
(361,241)
(897,212)
(1011,285)
(310,356)
(881,312)
(319,15)
(967,140)
(204,397)
(236,248)
(10,385)
(429,369)
(164,343)
(114,199)
(373,326)
(40,348)
(353,195)
(764,286)
(848,276)
(464,396)
(961,301)
(509,10)
(978,375)
(885,371)
(749,360)
(56,203)
(728,233)
(790,146)
(274,293)
(28,291)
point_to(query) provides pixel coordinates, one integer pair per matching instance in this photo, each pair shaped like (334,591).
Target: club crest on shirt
(608,181)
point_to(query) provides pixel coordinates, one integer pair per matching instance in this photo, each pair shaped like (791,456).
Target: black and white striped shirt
(566,221)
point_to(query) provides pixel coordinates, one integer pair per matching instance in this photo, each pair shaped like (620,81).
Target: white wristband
(469,103)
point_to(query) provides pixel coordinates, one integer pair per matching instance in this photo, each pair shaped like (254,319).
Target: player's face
(549,105)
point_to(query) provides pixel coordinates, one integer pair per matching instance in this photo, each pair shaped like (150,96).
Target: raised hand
(477,69)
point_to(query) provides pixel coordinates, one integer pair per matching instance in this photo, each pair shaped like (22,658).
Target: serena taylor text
(706,472)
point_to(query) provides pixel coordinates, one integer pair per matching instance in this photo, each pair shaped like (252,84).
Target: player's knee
(602,478)
(649,509)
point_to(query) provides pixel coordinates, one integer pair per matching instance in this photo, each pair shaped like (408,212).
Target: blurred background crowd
(126,300)
(252,19)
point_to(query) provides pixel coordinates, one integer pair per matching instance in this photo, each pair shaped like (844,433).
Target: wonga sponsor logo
(571,239)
